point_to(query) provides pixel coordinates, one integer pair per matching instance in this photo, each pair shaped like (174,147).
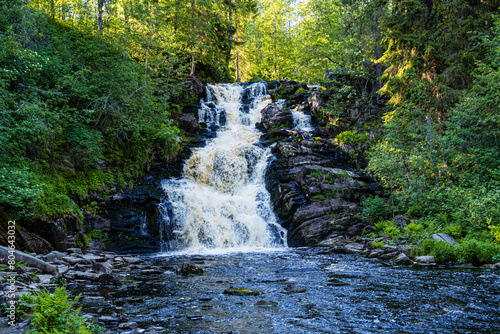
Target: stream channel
(218,216)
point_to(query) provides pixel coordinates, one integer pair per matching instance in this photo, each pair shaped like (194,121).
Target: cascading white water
(221,202)
(301,121)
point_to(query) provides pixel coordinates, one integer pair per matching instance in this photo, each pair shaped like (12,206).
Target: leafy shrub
(414,210)
(478,252)
(377,244)
(414,228)
(374,208)
(455,229)
(54,313)
(351,137)
(382,225)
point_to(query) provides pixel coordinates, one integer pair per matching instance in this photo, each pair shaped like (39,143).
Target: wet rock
(132,259)
(43,279)
(289,289)
(152,271)
(275,116)
(189,268)
(136,331)
(241,292)
(336,282)
(354,247)
(444,237)
(375,253)
(108,319)
(266,303)
(128,325)
(403,259)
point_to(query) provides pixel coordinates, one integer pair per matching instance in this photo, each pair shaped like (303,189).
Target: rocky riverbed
(300,290)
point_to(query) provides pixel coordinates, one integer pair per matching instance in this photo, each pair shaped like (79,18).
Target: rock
(84,275)
(495,265)
(401,221)
(375,253)
(189,268)
(43,279)
(74,260)
(403,259)
(44,267)
(241,292)
(444,237)
(315,102)
(74,250)
(355,230)
(389,255)
(128,325)
(108,319)
(274,116)
(53,256)
(194,85)
(154,271)
(132,260)
(92,257)
(266,303)
(187,122)
(331,240)
(289,289)
(336,282)
(354,247)
(136,331)
(102,267)
(425,259)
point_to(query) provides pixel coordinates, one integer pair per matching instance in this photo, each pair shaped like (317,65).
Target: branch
(138,89)
(41,90)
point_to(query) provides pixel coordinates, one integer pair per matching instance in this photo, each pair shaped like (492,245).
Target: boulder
(187,122)
(403,259)
(445,237)
(194,85)
(45,268)
(275,116)
(425,259)
(189,268)
(43,279)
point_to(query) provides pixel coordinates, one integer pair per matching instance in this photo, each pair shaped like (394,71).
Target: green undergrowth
(54,313)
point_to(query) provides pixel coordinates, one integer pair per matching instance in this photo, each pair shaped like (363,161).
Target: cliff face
(316,182)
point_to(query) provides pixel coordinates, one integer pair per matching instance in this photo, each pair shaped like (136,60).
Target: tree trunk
(193,57)
(100,9)
(378,55)
(176,19)
(274,54)
(237,68)
(228,55)
(431,146)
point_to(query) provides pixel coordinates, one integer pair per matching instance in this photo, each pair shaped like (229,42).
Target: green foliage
(377,244)
(374,208)
(54,313)
(468,251)
(97,234)
(351,137)
(414,228)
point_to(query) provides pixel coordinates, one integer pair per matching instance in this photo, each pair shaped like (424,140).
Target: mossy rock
(241,292)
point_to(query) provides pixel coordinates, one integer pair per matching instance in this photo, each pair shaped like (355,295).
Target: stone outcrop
(275,116)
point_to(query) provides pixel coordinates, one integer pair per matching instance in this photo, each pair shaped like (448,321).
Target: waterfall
(221,201)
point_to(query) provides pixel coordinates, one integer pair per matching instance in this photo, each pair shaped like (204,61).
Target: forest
(88,87)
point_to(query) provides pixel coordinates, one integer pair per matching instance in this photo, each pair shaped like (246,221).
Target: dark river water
(300,292)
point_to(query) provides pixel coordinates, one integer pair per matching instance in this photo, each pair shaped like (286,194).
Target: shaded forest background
(87,89)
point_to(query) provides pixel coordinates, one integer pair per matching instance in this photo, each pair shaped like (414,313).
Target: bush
(351,138)
(374,208)
(478,252)
(54,313)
